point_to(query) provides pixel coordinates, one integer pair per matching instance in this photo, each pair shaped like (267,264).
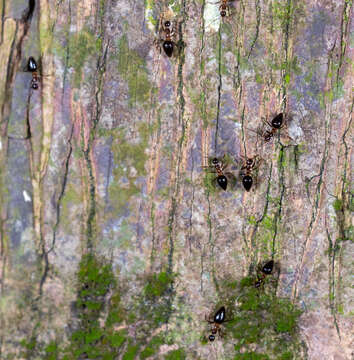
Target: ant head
(215,161)
(223,13)
(34,86)
(211,337)
(249,161)
(167,23)
(268,136)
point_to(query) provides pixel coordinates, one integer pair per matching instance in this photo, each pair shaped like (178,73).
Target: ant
(276,124)
(224,8)
(168,45)
(249,164)
(218,319)
(32,67)
(218,167)
(266,269)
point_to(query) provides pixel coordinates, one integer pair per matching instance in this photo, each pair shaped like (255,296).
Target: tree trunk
(116,240)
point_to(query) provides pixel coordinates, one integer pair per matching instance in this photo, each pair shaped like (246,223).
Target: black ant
(265,270)
(218,319)
(224,8)
(32,67)
(218,167)
(249,164)
(276,124)
(168,45)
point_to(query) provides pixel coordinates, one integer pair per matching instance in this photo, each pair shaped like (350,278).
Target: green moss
(152,347)
(52,351)
(131,352)
(155,303)
(117,339)
(133,70)
(261,325)
(158,285)
(286,356)
(81,46)
(178,354)
(337,205)
(130,159)
(96,336)
(95,279)
(251,356)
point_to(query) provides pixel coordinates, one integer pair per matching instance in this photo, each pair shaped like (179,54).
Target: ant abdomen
(222,181)
(277,122)
(32,65)
(247,182)
(168,47)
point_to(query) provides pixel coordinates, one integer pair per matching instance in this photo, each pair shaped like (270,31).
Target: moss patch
(81,46)
(129,159)
(178,354)
(102,323)
(261,325)
(133,69)
(157,293)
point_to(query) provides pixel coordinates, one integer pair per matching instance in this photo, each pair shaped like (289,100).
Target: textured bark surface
(103,164)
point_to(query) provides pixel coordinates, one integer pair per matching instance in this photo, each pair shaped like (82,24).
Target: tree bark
(104,165)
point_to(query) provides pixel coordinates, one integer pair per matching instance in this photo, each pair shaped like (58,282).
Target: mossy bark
(106,162)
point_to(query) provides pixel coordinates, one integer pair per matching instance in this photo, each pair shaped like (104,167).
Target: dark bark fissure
(332,250)
(258,18)
(344,26)
(2,22)
(100,71)
(67,53)
(62,190)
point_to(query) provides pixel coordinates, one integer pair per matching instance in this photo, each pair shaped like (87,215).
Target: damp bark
(104,177)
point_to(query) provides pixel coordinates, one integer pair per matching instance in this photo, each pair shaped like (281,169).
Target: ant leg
(267,122)
(220,332)
(207,319)
(210,169)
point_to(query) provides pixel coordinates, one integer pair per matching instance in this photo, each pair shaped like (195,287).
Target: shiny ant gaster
(248,165)
(218,319)
(275,125)
(265,270)
(32,67)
